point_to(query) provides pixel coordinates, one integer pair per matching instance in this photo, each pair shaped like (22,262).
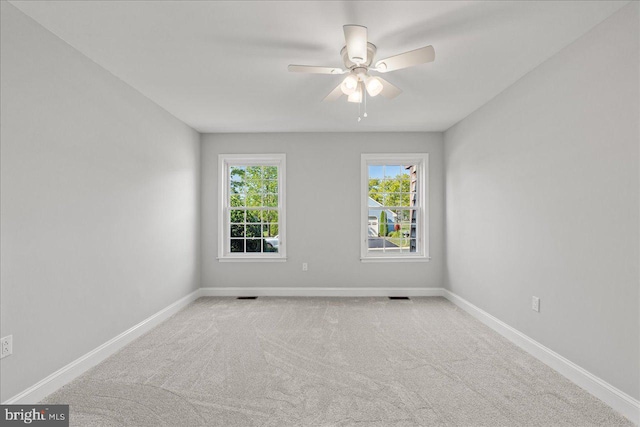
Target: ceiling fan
(357,56)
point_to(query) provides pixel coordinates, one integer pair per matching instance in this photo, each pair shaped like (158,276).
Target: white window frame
(421,160)
(224,206)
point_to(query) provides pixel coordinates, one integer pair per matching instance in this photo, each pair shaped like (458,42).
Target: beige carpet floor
(326,362)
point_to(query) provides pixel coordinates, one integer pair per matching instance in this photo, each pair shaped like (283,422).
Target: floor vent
(398,297)
(247,298)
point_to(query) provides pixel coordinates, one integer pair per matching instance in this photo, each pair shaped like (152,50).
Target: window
(251,225)
(394,207)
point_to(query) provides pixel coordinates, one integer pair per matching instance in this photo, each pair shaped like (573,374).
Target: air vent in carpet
(247,298)
(398,297)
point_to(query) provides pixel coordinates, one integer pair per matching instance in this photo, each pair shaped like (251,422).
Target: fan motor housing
(371,53)
(359,70)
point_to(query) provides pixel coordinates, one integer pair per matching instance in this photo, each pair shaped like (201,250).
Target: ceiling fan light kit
(349,84)
(374,86)
(356,96)
(358,55)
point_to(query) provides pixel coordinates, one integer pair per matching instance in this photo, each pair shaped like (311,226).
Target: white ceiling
(222,66)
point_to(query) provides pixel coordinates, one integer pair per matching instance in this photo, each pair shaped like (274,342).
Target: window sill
(251,259)
(396,259)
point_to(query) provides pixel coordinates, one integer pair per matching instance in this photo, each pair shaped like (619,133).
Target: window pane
(270,230)
(391,243)
(237,245)
(379,222)
(392,199)
(392,171)
(254,245)
(237,216)
(374,184)
(405,215)
(237,200)
(237,188)
(376,172)
(270,245)
(375,187)
(405,199)
(271,200)
(254,199)
(372,228)
(253,187)
(377,199)
(376,220)
(258,187)
(236,174)
(269,216)
(375,244)
(270,186)
(237,230)
(254,173)
(398,238)
(253,230)
(270,172)
(236,181)
(271,240)
(413,199)
(253,216)
(404,244)
(390,186)
(405,184)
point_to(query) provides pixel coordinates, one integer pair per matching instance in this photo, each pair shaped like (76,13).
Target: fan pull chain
(365,103)
(359,118)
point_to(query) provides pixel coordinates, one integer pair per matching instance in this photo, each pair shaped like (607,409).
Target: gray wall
(323,211)
(542,199)
(99,204)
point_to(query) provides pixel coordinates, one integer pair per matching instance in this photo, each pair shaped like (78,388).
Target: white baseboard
(62,376)
(617,399)
(321,292)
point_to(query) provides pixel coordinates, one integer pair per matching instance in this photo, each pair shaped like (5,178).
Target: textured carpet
(326,362)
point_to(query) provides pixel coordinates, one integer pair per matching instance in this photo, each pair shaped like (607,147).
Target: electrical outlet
(6,346)
(305,266)
(535,304)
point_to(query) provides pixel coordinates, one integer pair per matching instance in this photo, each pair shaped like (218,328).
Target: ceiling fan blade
(389,91)
(406,60)
(356,38)
(314,70)
(335,94)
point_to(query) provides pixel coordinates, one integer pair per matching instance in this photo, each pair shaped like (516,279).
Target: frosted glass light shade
(349,85)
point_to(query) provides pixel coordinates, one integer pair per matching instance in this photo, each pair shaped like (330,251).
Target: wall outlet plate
(535,304)
(6,346)
(305,266)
